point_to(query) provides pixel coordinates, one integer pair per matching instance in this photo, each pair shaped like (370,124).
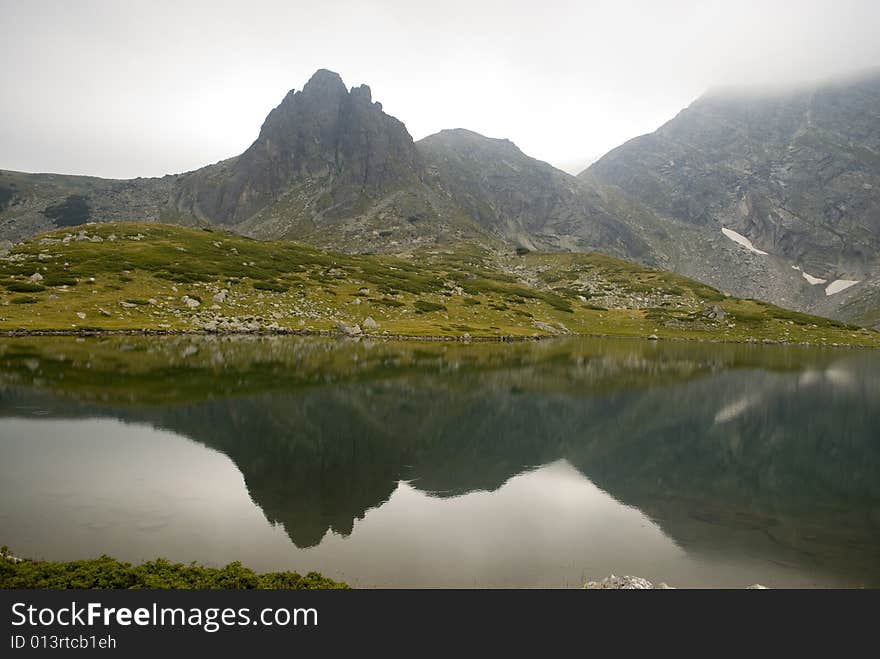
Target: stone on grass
(348,330)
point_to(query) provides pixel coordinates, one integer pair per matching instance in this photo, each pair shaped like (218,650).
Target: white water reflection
(79,488)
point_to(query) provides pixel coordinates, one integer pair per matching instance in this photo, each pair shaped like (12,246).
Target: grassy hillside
(136,276)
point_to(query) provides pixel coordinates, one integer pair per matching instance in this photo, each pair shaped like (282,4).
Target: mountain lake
(446,464)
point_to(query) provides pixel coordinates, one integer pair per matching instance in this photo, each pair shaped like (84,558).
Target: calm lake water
(425,464)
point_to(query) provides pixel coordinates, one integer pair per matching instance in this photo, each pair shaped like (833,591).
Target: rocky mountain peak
(337,143)
(324,79)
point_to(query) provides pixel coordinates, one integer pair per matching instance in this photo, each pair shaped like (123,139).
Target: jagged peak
(362,93)
(324,79)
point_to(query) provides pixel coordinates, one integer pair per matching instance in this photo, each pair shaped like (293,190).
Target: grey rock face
(797,173)
(324,148)
(370,324)
(521,200)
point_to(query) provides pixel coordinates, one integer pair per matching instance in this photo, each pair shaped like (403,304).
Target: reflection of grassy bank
(108,573)
(130,276)
(176,369)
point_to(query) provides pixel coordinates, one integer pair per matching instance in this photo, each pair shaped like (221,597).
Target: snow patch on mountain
(840,285)
(742,240)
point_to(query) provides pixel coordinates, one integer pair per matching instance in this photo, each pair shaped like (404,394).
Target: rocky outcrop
(325,151)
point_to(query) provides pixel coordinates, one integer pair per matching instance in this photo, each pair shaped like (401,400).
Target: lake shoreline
(412,337)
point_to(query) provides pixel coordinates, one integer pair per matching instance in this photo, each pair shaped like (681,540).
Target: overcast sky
(130,88)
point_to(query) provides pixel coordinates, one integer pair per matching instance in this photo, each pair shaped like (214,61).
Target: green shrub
(138,301)
(388,302)
(184,277)
(270,286)
(59,280)
(108,573)
(423,306)
(558,303)
(24,287)
(744,316)
(708,293)
(23,299)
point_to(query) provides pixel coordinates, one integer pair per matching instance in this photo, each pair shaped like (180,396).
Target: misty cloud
(147,88)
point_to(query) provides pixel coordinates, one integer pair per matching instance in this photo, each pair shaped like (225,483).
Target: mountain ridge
(796,173)
(332,169)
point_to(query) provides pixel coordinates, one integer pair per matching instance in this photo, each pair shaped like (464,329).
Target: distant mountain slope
(796,173)
(31,203)
(522,200)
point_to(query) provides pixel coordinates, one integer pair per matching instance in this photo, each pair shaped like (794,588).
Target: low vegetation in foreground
(108,573)
(155,277)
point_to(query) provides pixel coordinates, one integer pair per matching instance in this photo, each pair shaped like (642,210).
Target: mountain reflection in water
(422,464)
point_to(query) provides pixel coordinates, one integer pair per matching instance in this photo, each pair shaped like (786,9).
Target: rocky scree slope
(796,174)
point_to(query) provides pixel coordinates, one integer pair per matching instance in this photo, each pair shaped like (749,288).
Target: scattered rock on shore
(620,583)
(638,583)
(348,330)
